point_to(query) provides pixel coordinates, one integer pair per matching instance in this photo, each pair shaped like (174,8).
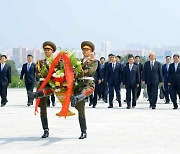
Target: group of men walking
(132,75)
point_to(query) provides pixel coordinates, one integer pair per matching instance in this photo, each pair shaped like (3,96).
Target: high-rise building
(18,54)
(36,53)
(106,47)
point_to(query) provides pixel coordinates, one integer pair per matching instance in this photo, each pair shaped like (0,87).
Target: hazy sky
(68,22)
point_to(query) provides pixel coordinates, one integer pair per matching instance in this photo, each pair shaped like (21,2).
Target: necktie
(113,67)
(130,67)
(176,67)
(151,66)
(2,66)
(167,66)
(28,67)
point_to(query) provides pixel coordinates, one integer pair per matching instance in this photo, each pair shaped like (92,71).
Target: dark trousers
(175,89)
(106,90)
(80,106)
(101,89)
(3,92)
(130,89)
(52,97)
(43,113)
(167,89)
(113,87)
(138,91)
(95,94)
(29,87)
(152,94)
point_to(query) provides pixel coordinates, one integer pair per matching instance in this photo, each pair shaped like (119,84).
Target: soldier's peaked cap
(88,45)
(49,45)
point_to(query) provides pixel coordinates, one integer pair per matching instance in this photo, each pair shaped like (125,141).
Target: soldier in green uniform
(85,84)
(42,68)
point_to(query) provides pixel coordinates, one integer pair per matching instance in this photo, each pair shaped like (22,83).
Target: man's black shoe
(153,108)
(105,100)
(175,108)
(128,107)
(28,103)
(110,106)
(83,136)
(46,134)
(90,103)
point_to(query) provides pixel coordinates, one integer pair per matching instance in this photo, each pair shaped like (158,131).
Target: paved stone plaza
(118,130)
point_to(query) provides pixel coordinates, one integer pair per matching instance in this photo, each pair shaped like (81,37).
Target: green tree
(14,71)
(14,75)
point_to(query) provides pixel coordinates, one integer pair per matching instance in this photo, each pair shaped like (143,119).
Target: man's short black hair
(110,55)
(4,56)
(168,56)
(130,56)
(138,57)
(118,56)
(102,58)
(29,56)
(175,55)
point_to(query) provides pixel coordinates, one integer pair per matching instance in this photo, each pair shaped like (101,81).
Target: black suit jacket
(105,69)
(5,75)
(174,77)
(165,73)
(97,75)
(28,76)
(114,76)
(102,71)
(140,65)
(153,76)
(131,78)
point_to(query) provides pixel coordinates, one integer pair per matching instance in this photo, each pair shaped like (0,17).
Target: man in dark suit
(140,65)
(165,73)
(114,78)
(118,59)
(28,72)
(97,81)
(152,76)
(174,79)
(106,88)
(101,85)
(131,80)
(5,79)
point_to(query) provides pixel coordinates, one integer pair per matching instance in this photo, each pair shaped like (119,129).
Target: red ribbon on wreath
(69,80)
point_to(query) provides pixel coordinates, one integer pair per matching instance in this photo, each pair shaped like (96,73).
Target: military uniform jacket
(89,68)
(42,69)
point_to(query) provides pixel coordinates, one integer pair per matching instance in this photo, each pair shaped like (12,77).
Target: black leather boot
(46,134)
(75,99)
(44,122)
(83,136)
(33,95)
(82,122)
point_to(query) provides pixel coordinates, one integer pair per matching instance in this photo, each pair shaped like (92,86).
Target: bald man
(152,76)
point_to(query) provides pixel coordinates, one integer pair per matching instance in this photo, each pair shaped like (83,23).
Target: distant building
(106,48)
(18,54)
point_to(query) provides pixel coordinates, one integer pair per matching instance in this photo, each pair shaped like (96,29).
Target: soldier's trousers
(43,109)
(85,87)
